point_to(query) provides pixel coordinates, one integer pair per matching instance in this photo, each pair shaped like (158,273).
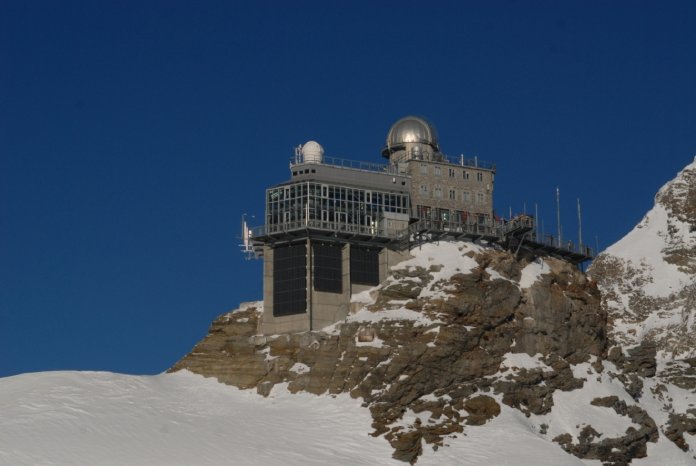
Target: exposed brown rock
(481,409)
(678,425)
(440,371)
(614,451)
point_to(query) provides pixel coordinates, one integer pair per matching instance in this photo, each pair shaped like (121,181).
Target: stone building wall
(451,186)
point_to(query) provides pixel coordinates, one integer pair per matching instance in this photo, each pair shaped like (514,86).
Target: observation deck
(288,232)
(517,234)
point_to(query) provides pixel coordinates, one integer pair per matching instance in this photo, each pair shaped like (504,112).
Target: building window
(364,265)
(423,212)
(465,174)
(452,194)
(479,176)
(423,169)
(437,192)
(289,280)
(437,170)
(424,189)
(451,172)
(466,196)
(328,270)
(480,198)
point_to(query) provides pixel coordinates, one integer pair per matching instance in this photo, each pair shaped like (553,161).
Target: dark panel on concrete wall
(289,280)
(328,267)
(364,265)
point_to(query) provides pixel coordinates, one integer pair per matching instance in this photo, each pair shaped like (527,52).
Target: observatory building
(336,226)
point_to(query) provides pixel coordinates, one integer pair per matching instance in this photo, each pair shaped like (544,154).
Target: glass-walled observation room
(331,207)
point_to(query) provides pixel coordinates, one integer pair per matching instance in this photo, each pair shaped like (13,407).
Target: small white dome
(312,152)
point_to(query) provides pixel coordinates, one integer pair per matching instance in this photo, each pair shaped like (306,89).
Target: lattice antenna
(247,246)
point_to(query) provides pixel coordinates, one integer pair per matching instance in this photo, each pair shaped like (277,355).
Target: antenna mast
(558,216)
(579,225)
(247,246)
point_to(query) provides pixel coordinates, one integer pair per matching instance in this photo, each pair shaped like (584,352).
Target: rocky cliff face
(454,336)
(602,366)
(648,285)
(648,279)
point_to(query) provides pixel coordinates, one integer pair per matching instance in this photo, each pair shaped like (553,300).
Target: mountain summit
(648,278)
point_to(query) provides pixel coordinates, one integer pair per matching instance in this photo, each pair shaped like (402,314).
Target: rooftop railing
(347,163)
(461,160)
(393,168)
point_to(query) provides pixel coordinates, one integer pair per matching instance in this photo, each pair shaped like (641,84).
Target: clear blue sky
(133,135)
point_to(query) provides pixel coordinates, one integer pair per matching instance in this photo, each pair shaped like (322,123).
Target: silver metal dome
(411,129)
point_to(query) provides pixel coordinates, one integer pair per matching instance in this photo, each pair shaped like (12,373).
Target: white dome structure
(312,152)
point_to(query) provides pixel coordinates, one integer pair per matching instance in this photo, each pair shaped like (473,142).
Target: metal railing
(337,227)
(493,229)
(521,222)
(393,168)
(472,228)
(569,246)
(501,229)
(348,163)
(460,161)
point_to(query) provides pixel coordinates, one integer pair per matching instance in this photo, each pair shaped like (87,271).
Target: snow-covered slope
(100,418)
(648,278)
(648,286)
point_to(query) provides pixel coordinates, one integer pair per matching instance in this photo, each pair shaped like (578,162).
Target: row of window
(451,217)
(451,172)
(303,172)
(437,192)
(338,193)
(304,202)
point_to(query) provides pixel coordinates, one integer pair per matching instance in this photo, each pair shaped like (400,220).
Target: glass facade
(329,206)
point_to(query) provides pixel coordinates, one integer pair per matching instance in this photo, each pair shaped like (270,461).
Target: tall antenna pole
(536,219)
(579,225)
(558,216)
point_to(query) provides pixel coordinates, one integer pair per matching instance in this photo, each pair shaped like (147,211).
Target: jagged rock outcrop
(603,366)
(648,286)
(648,278)
(434,351)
